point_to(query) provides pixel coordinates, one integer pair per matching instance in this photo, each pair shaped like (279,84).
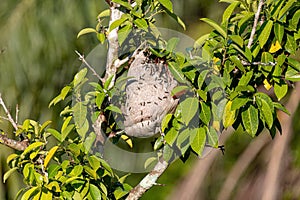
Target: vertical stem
(256,18)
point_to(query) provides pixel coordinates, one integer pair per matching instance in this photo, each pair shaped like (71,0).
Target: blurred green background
(37,45)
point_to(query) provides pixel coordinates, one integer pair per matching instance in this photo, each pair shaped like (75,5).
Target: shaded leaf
(189,107)
(198,140)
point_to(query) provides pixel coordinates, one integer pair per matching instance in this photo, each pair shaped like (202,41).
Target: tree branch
(17,145)
(113,44)
(256,18)
(149,180)
(81,58)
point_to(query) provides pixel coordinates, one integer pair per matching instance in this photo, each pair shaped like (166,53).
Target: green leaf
(212,137)
(202,78)
(141,23)
(101,37)
(238,103)
(167,4)
(266,108)
(30,193)
(123,33)
(95,192)
(168,153)
(104,13)
(89,142)
(158,143)
(176,72)
(50,155)
(237,62)
(85,31)
(215,25)
(205,113)
(292,74)
(281,107)
(200,41)
(8,173)
(295,19)
(94,162)
(80,114)
(171,136)
(54,186)
(66,123)
(183,140)
(229,115)
(291,45)
(228,12)
(11,157)
(171,44)
(279,31)
(265,34)
(294,63)
(280,89)
(198,140)
(76,171)
(113,109)
(79,77)
(165,122)
(55,134)
(250,120)
(123,3)
(245,79)
(179,90)
(178,20)
(189,107)
(32,147)
(245,20)
(286,8)
(237,39)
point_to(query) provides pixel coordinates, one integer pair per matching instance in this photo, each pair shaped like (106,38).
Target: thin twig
(17,113)
(81,58)
(10,119)
(256,18)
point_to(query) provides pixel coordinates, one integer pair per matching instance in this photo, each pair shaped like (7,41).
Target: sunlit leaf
(280,89)
(85,31)
(50,155)
(275,47)
(250,120)
(8,173)
(215,26)
(229,115)
(167,4)
(265,34)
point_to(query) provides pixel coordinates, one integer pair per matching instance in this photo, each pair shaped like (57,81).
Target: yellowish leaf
(275,47)
(127,140)
(267,85)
